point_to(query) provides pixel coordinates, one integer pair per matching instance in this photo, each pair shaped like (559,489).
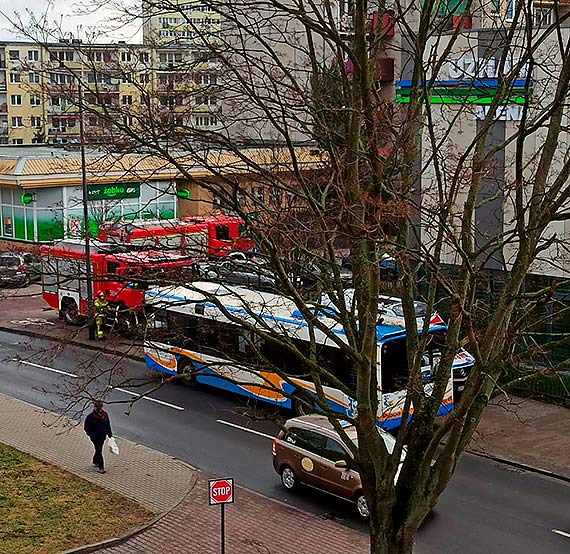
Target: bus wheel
(301,405)
(187,371)
(70,313)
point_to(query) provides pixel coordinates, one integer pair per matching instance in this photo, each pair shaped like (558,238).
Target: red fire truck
(201,237)
(121,276)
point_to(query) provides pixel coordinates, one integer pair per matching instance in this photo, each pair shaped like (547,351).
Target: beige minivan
(311,452)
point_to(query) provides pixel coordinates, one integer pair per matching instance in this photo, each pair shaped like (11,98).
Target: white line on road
(563,533)
(44,367)
(244,429)
(125,391)
(137,395)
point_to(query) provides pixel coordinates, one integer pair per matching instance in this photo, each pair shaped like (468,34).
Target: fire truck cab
(201,237)
(121,276)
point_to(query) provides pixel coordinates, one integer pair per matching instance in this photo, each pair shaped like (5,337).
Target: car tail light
(21,268)
(274,448)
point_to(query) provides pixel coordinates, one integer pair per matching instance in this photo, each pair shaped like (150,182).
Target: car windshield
(419,306)
(9,261)
(389,441)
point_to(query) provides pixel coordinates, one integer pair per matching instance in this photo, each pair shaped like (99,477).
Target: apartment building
(191,23)
(140,84)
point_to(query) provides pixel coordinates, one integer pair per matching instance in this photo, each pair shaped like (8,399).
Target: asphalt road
(488,507)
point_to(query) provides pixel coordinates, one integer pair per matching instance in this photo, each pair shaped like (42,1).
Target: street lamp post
(89,274)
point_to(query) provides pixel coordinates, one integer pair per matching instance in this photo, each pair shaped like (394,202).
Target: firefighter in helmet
(101,308)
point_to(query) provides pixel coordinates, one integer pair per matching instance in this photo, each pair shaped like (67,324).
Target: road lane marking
(44,367)
(253,431)
(150,399)
(563,533)
(125,391)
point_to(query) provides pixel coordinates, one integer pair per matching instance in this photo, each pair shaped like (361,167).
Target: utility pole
(89,274)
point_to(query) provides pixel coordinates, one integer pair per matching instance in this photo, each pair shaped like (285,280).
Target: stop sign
(221,491)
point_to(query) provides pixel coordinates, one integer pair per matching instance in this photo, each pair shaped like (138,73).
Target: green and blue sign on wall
(476,82)
(114,191)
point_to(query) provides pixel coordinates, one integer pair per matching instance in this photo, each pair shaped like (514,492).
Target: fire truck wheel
(187,370)
(69,313)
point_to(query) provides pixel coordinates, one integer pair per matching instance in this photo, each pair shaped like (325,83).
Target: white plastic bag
(113,446)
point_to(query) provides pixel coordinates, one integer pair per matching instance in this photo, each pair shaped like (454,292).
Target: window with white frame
(35,100)
(17,122)
(34,78)
(34,55)
(126,56)
(16,100)
(35,121)
(14,55)
(18,141)
(15,77)
(542,17)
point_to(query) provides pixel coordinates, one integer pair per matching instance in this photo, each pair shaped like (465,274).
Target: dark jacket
(98,427)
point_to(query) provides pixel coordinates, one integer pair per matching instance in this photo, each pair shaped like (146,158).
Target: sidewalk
(160,483)
(520,431)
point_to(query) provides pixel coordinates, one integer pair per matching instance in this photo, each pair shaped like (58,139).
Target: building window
(17,141)
(36,141)
(542,18)
(14,55)
(127,78)
(169,57)
(15,78)
(127,99)
(35,121)
(510,10)
(128,120)
(126,56)
(144,78)
(259,194)
(144,57)
(34,55)
(35,100)
(34,78)
(16,99)
(275,196)
(17,122)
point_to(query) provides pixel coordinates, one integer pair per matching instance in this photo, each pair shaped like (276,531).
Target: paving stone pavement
(155,480)
(254,525)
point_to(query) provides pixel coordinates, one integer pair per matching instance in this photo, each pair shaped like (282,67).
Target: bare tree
(459,170)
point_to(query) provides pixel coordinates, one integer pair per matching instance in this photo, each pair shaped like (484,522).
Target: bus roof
(272,308)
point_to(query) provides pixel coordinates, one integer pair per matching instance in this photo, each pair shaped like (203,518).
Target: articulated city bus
(193,336)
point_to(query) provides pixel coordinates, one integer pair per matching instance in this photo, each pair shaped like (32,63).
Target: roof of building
(41,166)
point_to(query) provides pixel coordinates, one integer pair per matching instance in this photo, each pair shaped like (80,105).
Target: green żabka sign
(113,192)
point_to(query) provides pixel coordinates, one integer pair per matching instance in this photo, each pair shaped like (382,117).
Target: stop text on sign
(221,491)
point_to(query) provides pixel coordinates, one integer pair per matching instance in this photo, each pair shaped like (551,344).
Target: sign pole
(223,526)
(222,493)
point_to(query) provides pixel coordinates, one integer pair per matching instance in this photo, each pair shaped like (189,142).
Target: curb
(103,545)
(520,465)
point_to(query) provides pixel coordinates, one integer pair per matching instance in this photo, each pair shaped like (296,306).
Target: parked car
(388,267)
(311,452)
(236,271)
(18,269)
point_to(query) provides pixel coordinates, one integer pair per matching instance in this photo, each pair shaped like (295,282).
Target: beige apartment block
(131,84)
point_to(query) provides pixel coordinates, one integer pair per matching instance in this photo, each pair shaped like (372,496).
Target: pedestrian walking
(98,428)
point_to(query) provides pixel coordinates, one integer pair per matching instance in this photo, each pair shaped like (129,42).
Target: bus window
(394,365)
(222,232)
